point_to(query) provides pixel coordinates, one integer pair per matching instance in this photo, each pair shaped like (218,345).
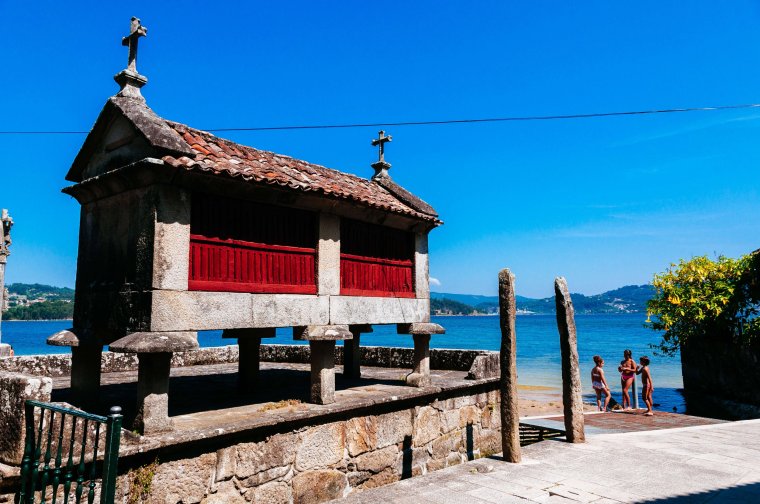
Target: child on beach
(646,383)
(599,382)
(627,369)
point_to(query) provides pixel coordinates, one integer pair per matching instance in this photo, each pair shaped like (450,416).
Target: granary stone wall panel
(115,263)
(172,239)
(378,310)
(190,311)
(320,462)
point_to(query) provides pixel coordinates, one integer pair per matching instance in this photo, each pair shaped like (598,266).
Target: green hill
(39,302)
(445,306)
(36,290)
(628,299)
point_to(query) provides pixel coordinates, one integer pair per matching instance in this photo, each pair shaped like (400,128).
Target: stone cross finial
(129,80)
(136,30)
(381,166)
(5,238)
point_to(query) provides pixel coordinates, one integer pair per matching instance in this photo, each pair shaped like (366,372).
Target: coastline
(39,320)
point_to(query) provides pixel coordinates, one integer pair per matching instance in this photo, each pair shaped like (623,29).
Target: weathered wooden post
(572,398)
(5,240)
(510,417)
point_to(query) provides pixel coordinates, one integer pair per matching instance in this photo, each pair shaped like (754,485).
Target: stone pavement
(708,463)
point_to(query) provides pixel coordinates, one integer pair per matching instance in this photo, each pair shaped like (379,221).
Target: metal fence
(66,454)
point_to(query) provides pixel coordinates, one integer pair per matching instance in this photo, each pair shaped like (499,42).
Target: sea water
(538,354)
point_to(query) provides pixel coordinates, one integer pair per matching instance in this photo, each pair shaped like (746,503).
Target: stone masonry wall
(327,461)
(57,365)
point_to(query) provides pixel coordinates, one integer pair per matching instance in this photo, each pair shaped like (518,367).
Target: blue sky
(604,202)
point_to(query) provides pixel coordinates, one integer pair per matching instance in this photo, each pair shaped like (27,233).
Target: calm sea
(538,361)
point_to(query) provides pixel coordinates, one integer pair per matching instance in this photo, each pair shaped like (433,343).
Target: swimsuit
(626,376)
(596,381)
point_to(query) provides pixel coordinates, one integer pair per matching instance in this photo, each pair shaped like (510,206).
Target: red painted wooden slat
(241,246)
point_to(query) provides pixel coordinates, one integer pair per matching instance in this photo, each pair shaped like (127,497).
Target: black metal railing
(50,468)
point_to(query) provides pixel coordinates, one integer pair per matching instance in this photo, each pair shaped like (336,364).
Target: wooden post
(510,416)
(572,394)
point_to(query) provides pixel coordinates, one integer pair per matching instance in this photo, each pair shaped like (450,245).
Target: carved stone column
(322,340)
(352,352)
(154,353)
(421,332)
(249,346)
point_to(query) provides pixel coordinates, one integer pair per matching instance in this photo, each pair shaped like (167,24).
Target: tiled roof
(223,157)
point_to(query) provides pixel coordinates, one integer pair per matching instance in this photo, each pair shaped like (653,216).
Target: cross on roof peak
(381,140)
(129,79)
(381,166)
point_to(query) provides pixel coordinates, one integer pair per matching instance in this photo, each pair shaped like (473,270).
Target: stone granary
(182,231)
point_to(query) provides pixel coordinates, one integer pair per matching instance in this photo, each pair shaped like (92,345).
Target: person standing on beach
(646,384)
(627,370)
(599,382)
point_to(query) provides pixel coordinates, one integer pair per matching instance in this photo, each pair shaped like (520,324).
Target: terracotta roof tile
(223,157)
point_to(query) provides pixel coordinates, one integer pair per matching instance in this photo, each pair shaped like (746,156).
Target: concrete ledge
(156,342)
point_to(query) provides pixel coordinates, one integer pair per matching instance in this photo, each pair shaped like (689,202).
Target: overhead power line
(433,123)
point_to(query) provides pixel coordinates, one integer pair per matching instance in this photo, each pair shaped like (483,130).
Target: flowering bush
(705,298)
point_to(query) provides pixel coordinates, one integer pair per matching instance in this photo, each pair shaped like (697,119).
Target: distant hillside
(628,299)
(445,306)
(33,291)
(38,302)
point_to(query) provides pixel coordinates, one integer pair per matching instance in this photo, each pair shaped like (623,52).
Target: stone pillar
(572,393)
(420,375)
(85,372)
(421,332)
(153,393)
(510,415)
(322,346)
(5,241)
(322,372)
(249,346)
(352,352)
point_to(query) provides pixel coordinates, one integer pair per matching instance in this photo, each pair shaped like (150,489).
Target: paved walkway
(708,463)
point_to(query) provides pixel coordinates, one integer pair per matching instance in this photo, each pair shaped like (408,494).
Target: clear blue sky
(604,202)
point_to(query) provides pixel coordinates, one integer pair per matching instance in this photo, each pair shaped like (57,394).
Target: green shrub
(705,298)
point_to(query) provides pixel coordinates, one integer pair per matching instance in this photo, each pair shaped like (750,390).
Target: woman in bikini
(599,383)
(627,370)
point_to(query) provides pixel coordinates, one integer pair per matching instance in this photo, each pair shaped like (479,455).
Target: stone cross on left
(5,243)
(6,223)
